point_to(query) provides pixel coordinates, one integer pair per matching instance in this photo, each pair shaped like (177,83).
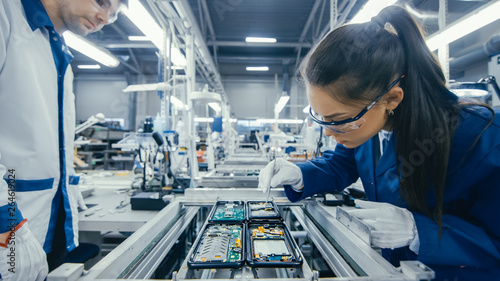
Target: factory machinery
(232,234)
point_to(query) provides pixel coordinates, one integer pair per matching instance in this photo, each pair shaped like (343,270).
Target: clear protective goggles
(350,124)
(105,6)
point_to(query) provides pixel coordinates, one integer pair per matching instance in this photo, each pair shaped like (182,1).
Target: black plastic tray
(193,263)
(240,205)
(295,259)
(257,218)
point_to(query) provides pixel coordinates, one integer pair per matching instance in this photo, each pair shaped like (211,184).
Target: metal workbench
(232,176)
(153,250)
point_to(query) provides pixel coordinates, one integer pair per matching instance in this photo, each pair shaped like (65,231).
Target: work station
(314,140)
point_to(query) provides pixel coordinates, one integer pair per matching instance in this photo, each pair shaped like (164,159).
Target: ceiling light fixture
(371,9)
(215,106)
(90,49)
(475,20)
(260,40)
(204,119)
(257,68)
(138,38)
(88,66)
(280,121)
(281,103)
(145,22)
(306,109)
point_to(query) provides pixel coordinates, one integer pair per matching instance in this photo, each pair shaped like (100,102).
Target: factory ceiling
(224,24)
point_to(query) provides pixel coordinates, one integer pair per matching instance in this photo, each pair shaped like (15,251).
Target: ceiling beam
(341,20)
(257,59)
(309,20)
(208,19)
(270,45)
(125,44)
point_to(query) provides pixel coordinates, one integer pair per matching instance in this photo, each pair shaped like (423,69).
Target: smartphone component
(263,211)
(220,245)
(228,211)
(270,245)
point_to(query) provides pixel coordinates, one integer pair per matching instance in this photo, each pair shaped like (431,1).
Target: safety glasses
(348,125)
(105,6)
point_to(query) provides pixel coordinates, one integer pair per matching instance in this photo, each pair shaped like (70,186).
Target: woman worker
(435,186)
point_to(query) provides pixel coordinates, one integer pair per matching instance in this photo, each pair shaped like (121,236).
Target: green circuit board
(220,243)
(231,211)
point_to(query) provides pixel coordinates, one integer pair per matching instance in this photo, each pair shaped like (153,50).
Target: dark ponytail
(428,110)
(358,61)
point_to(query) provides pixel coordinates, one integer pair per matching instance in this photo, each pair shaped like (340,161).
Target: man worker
(38,207)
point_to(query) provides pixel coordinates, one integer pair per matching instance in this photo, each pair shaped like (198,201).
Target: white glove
(81,202)
(280,172)
(24,259)
(392,227)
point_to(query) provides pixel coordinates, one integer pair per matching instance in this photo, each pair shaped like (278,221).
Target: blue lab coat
(469,248)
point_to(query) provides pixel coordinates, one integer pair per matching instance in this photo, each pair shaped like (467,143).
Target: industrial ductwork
(481,53)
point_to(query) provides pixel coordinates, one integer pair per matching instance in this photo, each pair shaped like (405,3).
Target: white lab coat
(29,130)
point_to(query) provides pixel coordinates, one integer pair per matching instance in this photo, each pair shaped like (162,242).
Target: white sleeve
(4,33)
(7,202)
(9,213)
(4,190)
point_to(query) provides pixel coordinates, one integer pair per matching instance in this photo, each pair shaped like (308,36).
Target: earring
(390,113)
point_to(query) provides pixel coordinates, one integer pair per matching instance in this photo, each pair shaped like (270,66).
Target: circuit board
(228,211)
(262,210)
(271,246)
(221,245)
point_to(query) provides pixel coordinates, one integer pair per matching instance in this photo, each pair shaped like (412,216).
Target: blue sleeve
(10,216)
(471,237)
(335,170)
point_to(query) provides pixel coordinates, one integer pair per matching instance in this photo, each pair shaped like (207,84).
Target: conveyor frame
(346,254)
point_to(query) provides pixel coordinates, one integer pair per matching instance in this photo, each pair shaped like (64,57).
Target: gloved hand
(280,172)
(24,258)
(81,202)
(392,227)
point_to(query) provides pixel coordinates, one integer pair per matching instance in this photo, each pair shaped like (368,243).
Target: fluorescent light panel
(138,38)
(479,18)
(260,40)
(257,68)
(470,92)
(203,119)
(281,103)
(280,121)
(306,109)
(371,9)
(145,22)
(215,106)
(90,50)
(88,66)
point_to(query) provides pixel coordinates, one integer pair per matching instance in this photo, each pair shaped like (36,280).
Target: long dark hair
(359,61)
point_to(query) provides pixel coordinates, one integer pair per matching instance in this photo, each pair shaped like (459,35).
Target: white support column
(333,14)
(444,50)
(190,87)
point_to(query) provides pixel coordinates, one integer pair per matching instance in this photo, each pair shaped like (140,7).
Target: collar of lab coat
(36,15)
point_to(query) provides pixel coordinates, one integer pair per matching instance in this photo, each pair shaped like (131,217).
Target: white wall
(104,94)
(255,98)
(251,98)
(95,94)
